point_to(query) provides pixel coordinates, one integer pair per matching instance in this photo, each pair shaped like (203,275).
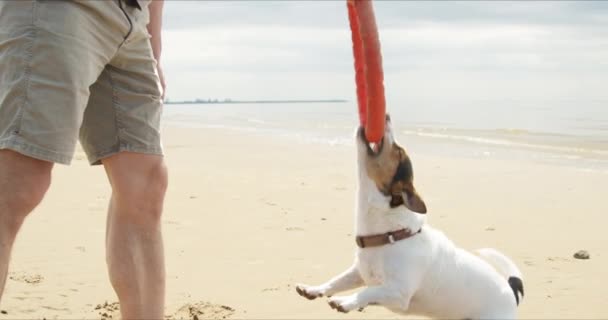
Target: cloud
(431,50)
(332,14)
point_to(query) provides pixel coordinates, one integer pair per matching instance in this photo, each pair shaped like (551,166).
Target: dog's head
(388,166)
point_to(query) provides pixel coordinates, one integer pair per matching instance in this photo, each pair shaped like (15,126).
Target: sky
(460,52)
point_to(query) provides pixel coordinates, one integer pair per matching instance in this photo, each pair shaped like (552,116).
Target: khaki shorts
(77,69)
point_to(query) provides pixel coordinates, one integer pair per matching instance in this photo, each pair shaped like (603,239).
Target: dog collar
(384,238)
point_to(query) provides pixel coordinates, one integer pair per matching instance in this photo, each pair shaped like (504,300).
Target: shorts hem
(96,159)
(36,152)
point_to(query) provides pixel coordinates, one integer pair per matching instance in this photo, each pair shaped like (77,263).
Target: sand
(247,216)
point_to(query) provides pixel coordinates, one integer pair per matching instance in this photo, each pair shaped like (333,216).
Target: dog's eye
(403,172)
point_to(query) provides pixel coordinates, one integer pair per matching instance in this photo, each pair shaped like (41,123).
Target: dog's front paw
(344,304)
(309,292)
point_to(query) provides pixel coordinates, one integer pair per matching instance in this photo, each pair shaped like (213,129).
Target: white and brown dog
(404,264)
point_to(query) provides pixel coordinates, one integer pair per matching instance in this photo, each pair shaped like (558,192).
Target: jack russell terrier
(404,264)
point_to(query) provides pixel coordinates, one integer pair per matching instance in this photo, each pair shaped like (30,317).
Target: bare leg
(23,183)
(347,280)
(134,245)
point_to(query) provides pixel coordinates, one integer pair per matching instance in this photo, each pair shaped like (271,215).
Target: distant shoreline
(255,101)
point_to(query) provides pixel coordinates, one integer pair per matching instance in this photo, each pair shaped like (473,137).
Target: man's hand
(162,80)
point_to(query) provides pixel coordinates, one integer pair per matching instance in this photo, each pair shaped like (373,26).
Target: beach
(250,214)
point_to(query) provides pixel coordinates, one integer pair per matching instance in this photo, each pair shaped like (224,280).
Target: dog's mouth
(373,149)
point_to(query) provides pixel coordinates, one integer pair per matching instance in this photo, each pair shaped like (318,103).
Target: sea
(557,132)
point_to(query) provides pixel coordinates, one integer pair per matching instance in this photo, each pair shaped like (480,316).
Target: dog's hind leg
(388,297)
(347,280)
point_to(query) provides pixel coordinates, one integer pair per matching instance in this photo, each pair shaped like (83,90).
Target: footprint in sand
(26,278)
(202,310)
(294,229)
(192,311)
(108,310)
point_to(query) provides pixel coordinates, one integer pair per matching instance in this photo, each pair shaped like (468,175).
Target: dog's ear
(412,200)
(405,194)
(396,200)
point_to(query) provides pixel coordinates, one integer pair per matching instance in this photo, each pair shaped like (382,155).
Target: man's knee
(23,183)
(139,183)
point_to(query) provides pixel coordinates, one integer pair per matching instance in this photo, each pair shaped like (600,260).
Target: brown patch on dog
(391,169)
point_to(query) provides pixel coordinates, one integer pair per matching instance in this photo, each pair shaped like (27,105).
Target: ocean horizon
(548,133)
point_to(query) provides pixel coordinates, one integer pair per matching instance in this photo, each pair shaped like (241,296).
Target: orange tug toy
(369,76)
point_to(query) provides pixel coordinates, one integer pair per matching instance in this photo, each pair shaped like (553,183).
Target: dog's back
(459,284)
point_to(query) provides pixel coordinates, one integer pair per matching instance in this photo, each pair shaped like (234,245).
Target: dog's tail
(507,268)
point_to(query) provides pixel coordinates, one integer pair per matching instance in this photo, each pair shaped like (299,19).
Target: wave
(505,142)
(339,133)
(257,121)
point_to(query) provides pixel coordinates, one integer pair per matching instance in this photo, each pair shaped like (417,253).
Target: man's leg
(23,183)
(51,52)
(134,242)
